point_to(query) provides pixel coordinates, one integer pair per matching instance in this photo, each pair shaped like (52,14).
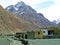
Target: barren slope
(10,24)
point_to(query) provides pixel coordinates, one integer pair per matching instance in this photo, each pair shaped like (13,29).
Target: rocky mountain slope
(10,24)
(56,21)
(28,13)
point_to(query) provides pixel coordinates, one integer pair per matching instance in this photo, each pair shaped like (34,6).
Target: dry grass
(10,24)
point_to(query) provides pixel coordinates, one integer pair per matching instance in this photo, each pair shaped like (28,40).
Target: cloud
(44,5)
(5,3)
(51,13)
(30,2)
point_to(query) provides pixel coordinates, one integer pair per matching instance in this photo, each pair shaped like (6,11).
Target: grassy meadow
(45,42)
(9,41)
(4,41)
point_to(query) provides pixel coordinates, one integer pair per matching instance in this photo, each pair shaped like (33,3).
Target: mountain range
(27,13)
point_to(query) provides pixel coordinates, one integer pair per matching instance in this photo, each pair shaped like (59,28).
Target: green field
(10,41)
(45,42)
(4,41)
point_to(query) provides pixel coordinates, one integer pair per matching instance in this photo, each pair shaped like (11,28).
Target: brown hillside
(10,24)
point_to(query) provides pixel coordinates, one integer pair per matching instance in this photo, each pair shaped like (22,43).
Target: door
(25,36)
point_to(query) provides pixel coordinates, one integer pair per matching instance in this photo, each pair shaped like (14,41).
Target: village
(37,34)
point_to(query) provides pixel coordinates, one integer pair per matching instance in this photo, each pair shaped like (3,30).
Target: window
(43,31)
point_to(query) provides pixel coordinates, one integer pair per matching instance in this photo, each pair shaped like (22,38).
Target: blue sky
(50,8)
